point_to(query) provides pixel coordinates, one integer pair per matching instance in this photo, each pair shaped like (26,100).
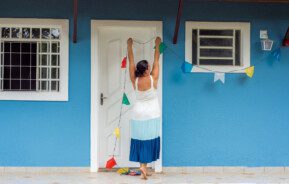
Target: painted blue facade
(242,123)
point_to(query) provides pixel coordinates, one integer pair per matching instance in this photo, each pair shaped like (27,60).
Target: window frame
(244,27)
(62,94)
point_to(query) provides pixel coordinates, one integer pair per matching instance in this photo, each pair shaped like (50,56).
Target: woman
(145,122)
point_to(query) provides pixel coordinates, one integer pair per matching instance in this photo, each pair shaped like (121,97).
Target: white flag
(219,76)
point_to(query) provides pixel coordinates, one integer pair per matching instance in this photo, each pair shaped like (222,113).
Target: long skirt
(145,140)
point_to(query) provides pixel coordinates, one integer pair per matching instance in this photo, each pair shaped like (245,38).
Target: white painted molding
(245,44)
(95,91)
(44,169)
(62,95)
(240,169)
(183,170)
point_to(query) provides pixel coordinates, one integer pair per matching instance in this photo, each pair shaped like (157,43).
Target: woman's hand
(158,41)
(129,42)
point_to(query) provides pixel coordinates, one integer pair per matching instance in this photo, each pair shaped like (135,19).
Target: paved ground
(114,178)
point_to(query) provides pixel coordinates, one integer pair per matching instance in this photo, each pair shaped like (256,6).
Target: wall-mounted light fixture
(266,43)
(286,39)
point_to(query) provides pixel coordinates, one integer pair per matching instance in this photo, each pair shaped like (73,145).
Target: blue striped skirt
(145,140)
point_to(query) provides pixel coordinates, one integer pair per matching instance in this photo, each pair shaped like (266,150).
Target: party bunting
(123,63)
(219,76)
(187,67)
(116,132)
(110,163)
(125,100)
(250,71)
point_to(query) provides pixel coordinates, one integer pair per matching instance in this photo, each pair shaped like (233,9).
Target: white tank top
(147,105)
(149,94)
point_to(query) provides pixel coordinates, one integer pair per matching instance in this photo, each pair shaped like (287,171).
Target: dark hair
(141,67)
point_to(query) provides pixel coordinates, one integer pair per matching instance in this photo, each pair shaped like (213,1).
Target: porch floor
(114,178)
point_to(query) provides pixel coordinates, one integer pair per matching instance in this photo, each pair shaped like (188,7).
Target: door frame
(95,84)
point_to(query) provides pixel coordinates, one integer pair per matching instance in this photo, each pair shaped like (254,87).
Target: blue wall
(244,122)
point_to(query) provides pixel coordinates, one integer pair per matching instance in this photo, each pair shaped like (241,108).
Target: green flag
(125,100)
(162,47)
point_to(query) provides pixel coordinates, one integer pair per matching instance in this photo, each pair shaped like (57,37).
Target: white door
(112,49)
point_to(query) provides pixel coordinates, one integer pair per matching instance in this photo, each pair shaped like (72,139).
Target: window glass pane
(6,85)
(44,47)
(7,59)
(55,33)
(44,73)
(16,33)
(216,53)
(25,32)
(55,47)
(7,72)
(195,46)
(223,42)
(25,47)
(33,85)
(54,73)
(208,32)
(25,85)
(33,59)
(54,60)
(15,59)
(15,85)
(25,73)
(45,33)
(15,47)
(36,33)
(238,48)
(25,60)
(15,72)
(216,62)
(55,85)
(44,85)
(33,72)
(44,61)
(7,47)
(5,32)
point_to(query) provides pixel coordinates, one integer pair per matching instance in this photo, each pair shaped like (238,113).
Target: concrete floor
(114,178)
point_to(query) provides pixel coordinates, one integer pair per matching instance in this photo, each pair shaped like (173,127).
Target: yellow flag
(250,71)
(116,132)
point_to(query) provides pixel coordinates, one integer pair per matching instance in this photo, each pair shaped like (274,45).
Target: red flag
(110,163)
(123,63)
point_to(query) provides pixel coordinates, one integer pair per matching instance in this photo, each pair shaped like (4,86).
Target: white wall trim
(62,95)
(178,170)
(44,169)
(95,91)
(225,169)
(245,43)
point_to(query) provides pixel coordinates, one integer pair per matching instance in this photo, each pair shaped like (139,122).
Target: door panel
(112,51)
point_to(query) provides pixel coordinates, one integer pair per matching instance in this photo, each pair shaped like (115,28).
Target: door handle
(102,98)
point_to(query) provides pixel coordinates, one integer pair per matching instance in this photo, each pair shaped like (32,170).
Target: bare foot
(143,173)
(149,173)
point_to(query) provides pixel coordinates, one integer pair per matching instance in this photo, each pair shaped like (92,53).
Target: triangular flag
(219,76)
(116,132)
(187,67)
(162,48)
(250,71)
(125,100)
(110,163)
(123,63)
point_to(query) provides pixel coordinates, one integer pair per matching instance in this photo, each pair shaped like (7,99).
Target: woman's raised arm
(155,69)
(131,61)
